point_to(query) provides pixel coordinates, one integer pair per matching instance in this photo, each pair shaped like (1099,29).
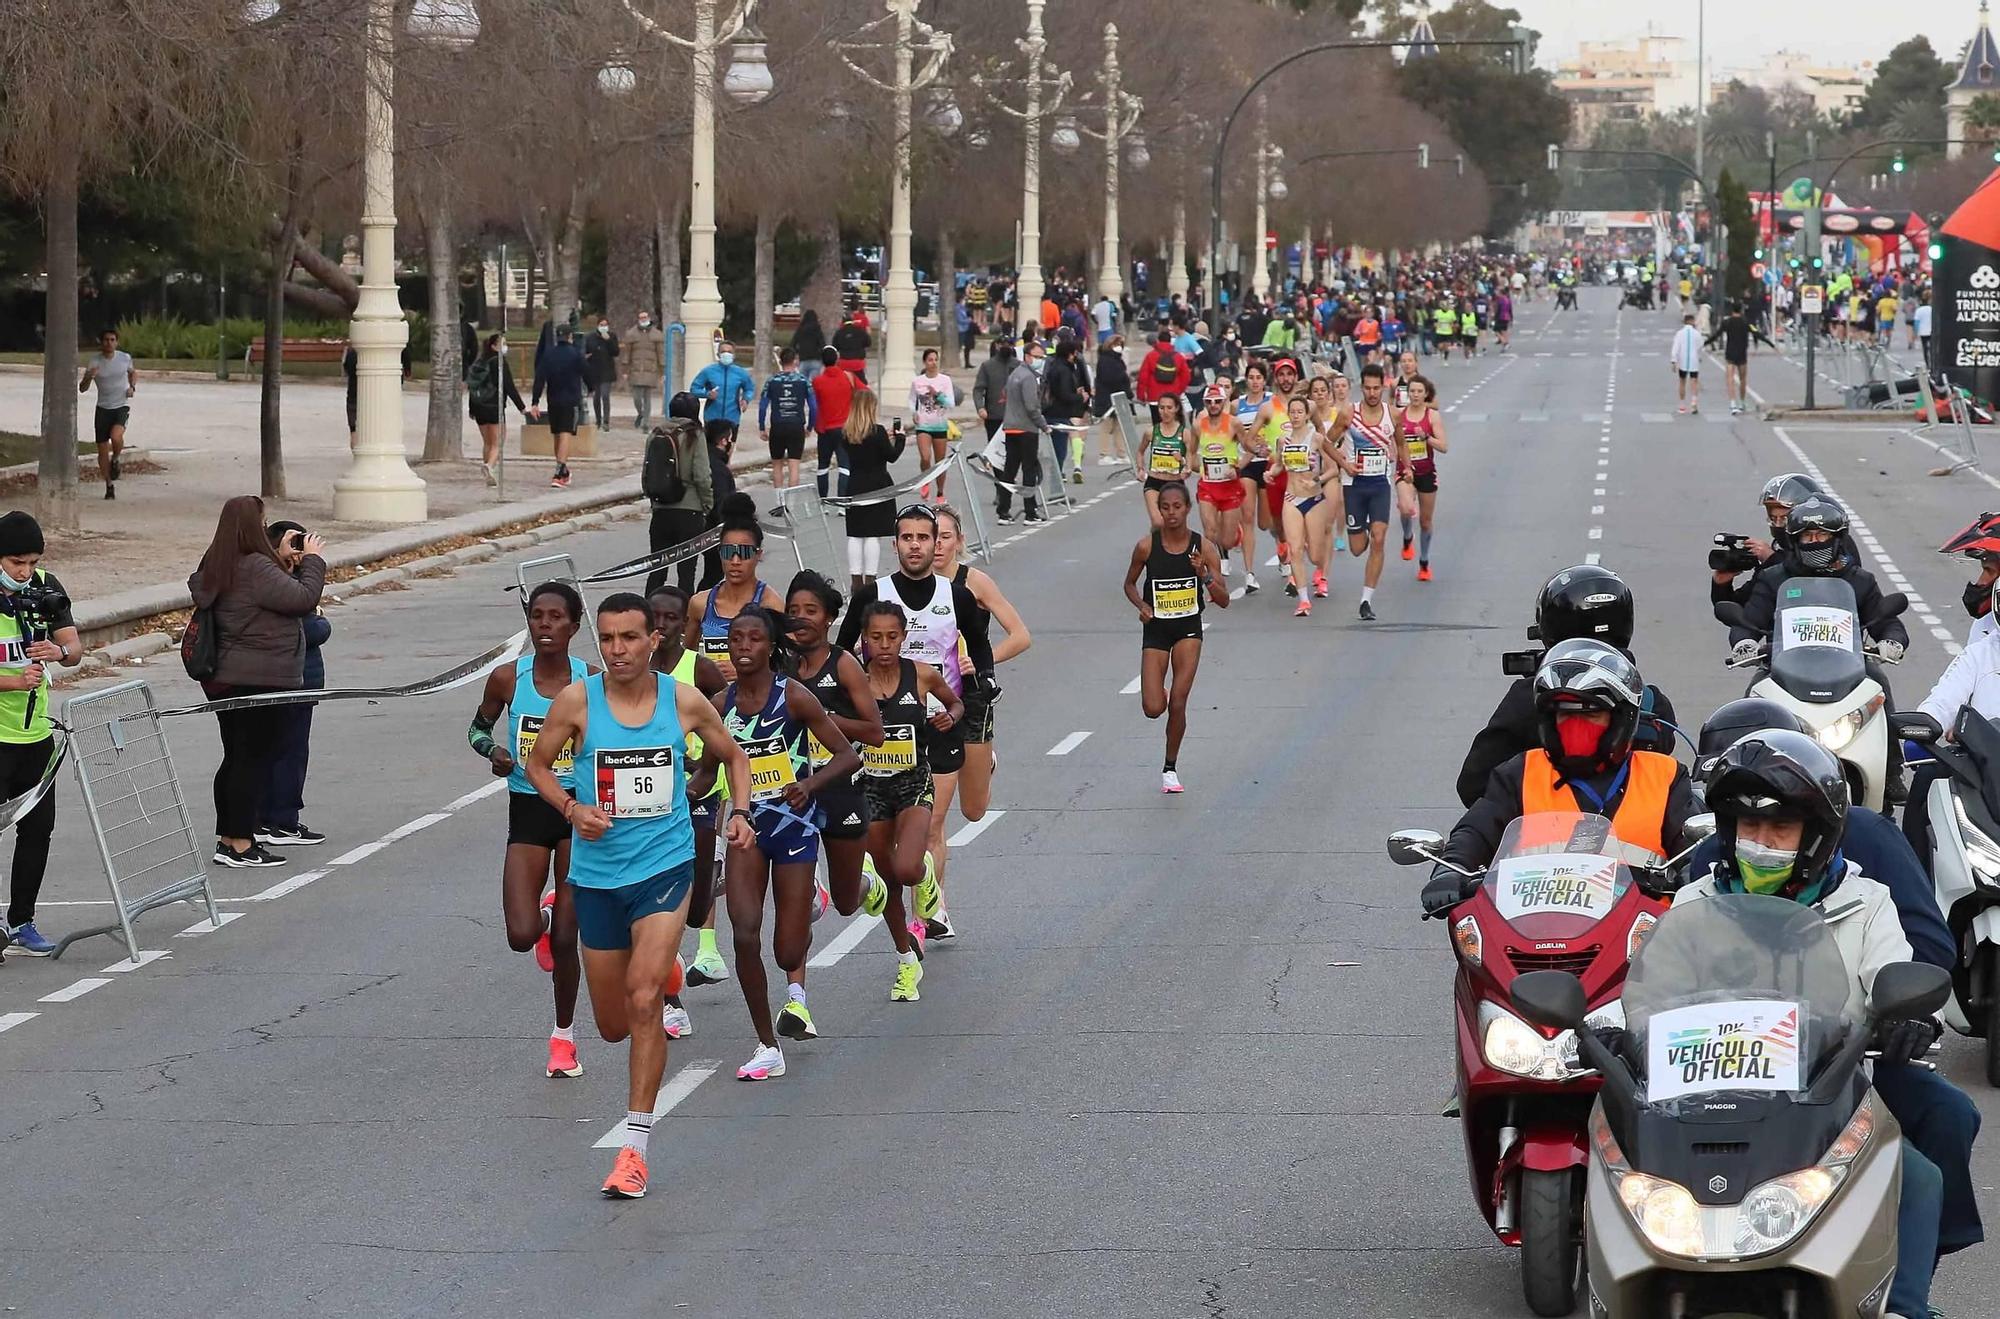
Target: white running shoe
(766,1063)
(1249,583)
(677,1023)
(1170,781)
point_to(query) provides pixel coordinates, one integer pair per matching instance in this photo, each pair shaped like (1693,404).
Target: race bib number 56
(635,782)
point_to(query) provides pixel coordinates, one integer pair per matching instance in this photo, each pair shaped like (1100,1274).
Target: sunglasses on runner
(736,551)
(916,511)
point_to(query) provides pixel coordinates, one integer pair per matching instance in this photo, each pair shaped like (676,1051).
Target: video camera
(1731,554)
(1524,663)
(36,607)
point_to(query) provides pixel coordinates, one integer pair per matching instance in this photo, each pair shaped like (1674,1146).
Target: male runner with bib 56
(632,862)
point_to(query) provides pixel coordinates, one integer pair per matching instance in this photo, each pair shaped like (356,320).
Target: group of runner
(731,736)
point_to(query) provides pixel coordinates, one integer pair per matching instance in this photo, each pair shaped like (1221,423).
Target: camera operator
(1735,555)
(35,632)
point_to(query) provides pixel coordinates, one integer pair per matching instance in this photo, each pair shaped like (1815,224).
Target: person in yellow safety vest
(1445,325)
(1587,703)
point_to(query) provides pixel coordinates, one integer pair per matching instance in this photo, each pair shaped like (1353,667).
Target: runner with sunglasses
(538,840)
(673,656)
(770,716)
(710,613)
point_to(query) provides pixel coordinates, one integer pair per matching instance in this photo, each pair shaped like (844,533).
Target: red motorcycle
(1560,895)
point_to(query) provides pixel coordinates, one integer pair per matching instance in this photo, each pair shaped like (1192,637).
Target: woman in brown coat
(259,608)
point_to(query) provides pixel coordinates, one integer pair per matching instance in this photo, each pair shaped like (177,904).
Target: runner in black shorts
(538,838)
(836,678)
(896,777)
(670,607)
(1182,574)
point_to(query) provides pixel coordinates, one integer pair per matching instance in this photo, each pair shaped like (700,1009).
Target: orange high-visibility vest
(1642,811)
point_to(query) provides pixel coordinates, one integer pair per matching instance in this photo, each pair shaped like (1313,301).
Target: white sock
(565,1033)
(638,1130)
(796,993)
(1367,595)
(910,956)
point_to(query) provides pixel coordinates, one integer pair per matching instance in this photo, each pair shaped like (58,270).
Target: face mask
(13,585)
(1764,869)
(1579,736)
(645,323)
(1978,599)
(604,330)
(727,359)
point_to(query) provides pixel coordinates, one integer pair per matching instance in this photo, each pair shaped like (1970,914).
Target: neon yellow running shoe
(908,976)
(929,899)
(795,1022)
(875,897)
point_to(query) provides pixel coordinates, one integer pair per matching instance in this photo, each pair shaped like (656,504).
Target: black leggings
(250,742)
(21,767)
(670,527)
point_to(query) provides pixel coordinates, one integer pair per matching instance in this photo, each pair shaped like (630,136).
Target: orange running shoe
(676,978)
(628,1176)
(1424,573)
(1409,551)
(562,1058)
(545,956)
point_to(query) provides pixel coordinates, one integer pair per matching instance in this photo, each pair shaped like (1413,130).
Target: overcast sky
(1743,31)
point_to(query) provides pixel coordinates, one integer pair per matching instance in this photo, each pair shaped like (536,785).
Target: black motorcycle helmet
(1814,514)
(1780,774)
(1585,675)
(1585,601)
(1781,495)
(1737,720)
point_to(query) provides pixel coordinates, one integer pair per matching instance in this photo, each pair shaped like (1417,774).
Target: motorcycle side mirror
(1916,726)
(1729,613)
(1698,829)
(1552,1000)
(1412,847)
(1890,606)
(1905,990)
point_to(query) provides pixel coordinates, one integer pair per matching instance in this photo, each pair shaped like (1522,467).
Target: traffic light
(1936,249)
(1897,163)
(1818,262)
(1796,263)
(1757,254)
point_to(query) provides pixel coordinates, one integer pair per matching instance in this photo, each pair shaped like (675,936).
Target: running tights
(864,556)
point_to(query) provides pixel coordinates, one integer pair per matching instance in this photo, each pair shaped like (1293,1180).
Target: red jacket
(1152,385)
(833,395)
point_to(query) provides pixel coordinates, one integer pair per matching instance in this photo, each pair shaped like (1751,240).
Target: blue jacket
(318,631)
(1880,851)
(560,373)
(733,391)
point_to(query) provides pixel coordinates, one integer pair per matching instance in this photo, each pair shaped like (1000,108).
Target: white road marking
(973,829)
(1070,743)
(1130,689)
(1597,533)
(292,885)
(477,794)
(845,942)
(75,990)
(397,834)
(682,1084)
(144,959)
(1593,558)
(200,928)
(9,1020)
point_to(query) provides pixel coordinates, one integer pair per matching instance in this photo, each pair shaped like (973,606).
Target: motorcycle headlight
(1836,735)
(1513,1046)
(1664,1212)
(1980,850)
(1777,1211)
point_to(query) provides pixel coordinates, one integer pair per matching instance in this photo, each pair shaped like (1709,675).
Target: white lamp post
(1121,118)
(378,485)
(1040,78)
(747,82)
(899,289)
(1268,186)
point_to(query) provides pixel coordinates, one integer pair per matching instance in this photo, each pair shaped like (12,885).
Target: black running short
(1159,483)
(532,822)
(1254,470)
(788,441)
(945,751)
(1158,635)
(977,726)
(845,806)
(1426,483)
(889,795)
(107,418)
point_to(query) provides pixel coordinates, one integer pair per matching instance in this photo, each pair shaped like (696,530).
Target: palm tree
(1982,118)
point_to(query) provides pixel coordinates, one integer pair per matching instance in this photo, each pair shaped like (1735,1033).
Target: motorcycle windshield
(1557,874)
(1816,639)
(1735,994)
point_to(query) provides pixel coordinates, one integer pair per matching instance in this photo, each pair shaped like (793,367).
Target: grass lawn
(18,448)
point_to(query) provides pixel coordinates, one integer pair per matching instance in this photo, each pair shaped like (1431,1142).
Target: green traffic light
(1897,164)
(1936,251)
(1757,254)
(1818,262)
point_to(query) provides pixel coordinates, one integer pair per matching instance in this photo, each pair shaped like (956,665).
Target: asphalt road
(1186,1059)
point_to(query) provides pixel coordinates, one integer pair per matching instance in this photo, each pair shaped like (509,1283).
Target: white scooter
(1963,808)
(1816,667)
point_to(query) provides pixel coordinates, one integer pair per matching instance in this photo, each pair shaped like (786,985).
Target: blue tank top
(773,741)
(525,712)
(638,778)
(715,628)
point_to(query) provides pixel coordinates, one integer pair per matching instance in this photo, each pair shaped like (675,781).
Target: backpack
(201,644)
(660,478)
(483,381)
(1166,368)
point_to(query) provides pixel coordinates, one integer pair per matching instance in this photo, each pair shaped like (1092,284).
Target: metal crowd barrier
(1960,444)
(530,573)
(138,815)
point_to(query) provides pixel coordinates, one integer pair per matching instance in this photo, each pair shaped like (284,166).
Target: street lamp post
(1268,186)
(899,288)
(378,485)
(1041,76)
(1121,117)
(748,82)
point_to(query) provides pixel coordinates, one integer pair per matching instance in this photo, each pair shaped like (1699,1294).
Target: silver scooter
(1963,811)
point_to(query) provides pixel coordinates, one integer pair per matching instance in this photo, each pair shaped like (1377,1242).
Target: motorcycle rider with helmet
(1781,811)
(1980,542)
(1818,545)
(1587,698)
(1780,496)
(1585,601)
